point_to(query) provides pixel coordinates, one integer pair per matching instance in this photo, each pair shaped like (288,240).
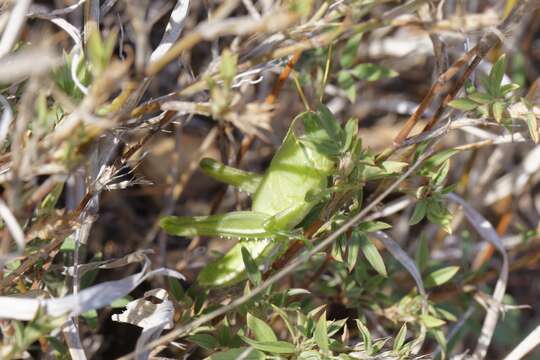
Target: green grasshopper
(280,198)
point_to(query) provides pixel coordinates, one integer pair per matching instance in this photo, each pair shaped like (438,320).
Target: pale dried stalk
(91,18)
(211,30)
(403,258)
(6,119)
(14,26)
(73,340)
(173,30)
(91,298)
(58,12)
(251,9)
(526,346)
(14,229)
(515,181)
(486,231)
(22,64)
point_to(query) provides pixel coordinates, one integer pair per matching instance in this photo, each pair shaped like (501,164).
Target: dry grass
(107,108)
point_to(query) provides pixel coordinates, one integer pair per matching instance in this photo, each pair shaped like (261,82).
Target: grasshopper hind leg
(238,224)
(230,268)
(247,225)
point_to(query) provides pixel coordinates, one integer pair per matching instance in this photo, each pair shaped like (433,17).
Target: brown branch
(487,42)
(436,89)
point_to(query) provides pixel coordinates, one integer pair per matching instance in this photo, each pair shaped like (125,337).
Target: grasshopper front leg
(243,180)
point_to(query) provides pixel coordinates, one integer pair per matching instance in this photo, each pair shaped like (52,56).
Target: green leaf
(252,269)
(463,104)
(430,321)
(261,330)
(89,277)
(337,249)
(351,131)
(244,353)
(379,344)
(441,276)
(469,87)
(320,335)
(91,318)
(315,311)
(335,326)
(330,124)
(348,55)
(275,347)
(309,355)
(297,291)
(422,253)
(68,244)
(205,341)
(371,253)
(481,98)
(351,93)
(41,325)
(120,302)
(393,167)
(440,175)
(227,67)
(372,72)
(59,347)
(498,108)
(484,111)
(419,212)
(323,132)
(370,172)
(438,334)
(400,338)
(225,335)
(100,50)
(345,79)
(445,314)
(372,226)
(286,320)
(366,337)
(505,89)
(175,288)
(352,252)
(19,334)
(438,214)
(301,7)
(51,199)
(532,123)
(439,158)
(484,80)
(496,75)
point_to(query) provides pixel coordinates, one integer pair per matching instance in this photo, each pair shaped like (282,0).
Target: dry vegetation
(425,244)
